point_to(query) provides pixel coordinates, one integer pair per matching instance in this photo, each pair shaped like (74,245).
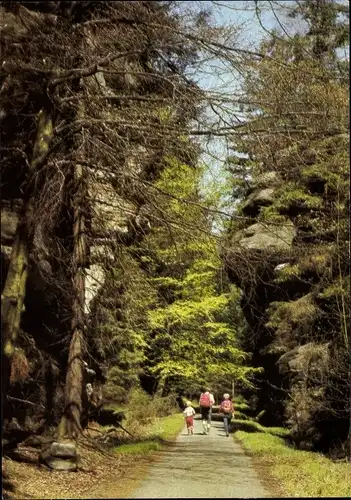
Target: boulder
(62,465)
(259,198)
(63,450)
(267,179)
(305,359)
(60,456)
(262,237)
(135,160)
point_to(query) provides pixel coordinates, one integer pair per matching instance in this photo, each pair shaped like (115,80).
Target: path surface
(198,466)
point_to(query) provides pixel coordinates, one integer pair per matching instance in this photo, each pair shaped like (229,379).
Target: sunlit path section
(201,466)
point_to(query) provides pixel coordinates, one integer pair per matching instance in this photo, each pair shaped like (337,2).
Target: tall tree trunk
(70,425)
(13,295)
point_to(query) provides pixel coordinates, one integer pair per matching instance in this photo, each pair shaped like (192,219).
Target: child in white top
(189,413)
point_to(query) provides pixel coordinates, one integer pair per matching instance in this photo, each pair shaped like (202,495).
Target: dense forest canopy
(125,265)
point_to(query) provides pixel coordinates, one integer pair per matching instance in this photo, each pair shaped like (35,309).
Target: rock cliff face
(254,255)
(116,220)
(289,256)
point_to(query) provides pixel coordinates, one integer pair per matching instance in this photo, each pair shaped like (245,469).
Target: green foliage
(292,195)
(287,273)
(240,416)
(242,406)
(166,310)
(272,214)
(143,408)
(336,290)
(199,344)
(194,330)
(119,327)
(328,28)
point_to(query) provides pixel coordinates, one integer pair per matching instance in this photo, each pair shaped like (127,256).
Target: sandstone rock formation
(283,257)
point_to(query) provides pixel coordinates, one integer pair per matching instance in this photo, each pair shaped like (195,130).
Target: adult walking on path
(202,467)
(212,400)
(206,402)
(227,410)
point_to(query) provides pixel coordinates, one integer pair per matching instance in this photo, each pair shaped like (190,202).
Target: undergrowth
(154,436)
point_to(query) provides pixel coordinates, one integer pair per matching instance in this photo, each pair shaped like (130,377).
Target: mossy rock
(271,237)
(252,426)
(246,426)
(241,416)
(267,179)
(303,357)
(242,407)
(60,456)
(294,315)
(259,198)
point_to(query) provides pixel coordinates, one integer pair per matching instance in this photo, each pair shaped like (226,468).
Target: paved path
(198,466)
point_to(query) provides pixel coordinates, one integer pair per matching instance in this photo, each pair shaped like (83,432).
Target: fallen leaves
(31,480)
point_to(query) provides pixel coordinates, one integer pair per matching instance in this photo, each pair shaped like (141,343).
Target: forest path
(198,466)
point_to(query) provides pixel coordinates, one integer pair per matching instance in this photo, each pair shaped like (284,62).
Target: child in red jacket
(189,413)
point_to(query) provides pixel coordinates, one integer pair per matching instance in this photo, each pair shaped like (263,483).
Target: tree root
(93,445)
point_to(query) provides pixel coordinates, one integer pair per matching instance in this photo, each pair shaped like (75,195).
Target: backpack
(205,401)
(226,406)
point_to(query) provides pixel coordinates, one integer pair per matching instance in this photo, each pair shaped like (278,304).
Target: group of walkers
(206,402)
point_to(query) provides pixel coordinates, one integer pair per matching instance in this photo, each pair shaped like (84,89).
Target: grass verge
(299,473)
(163,430)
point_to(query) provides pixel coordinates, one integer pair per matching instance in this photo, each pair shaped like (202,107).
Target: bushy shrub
(142,408)
(165,406)
(114,393)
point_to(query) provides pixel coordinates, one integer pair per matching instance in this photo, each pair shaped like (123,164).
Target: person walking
(206,401)
(227,410)
(189,413)
(212,401)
